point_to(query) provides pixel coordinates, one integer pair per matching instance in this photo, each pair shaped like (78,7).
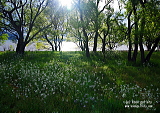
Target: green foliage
(3,37)
(39,45)
(70,82)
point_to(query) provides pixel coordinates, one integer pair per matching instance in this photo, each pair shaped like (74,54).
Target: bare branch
(105,6)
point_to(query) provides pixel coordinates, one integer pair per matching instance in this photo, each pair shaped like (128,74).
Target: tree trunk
(148,45)
(141,39)
(96,28)
(95,41)
(103,45)
(59,45)
(55,43)
(82,46)
(49,42)
(129,37)
(86,43)
(142,32)
(20,46)
(142,51)
(87,50)
(147,59)
(84,32)
(134,57)
(56,48)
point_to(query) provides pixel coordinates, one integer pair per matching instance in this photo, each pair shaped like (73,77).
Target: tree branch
(104,7)
(27,41)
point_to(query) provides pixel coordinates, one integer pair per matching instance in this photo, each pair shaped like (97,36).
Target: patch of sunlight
(105,67)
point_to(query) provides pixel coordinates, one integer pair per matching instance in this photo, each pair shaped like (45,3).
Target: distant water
(7,45)
(66,46)
(69,46)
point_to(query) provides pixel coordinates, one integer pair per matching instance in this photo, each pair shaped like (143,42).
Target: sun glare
(67,3)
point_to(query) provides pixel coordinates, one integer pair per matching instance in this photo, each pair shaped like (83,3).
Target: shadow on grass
(92,82)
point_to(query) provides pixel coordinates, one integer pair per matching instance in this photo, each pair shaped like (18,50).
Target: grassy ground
(68,82)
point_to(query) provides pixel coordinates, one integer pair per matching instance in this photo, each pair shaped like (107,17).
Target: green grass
(68,82)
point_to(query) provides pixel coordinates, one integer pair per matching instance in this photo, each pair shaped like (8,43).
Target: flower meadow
(56,82)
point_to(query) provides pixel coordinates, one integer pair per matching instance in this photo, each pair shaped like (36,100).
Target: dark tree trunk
(59,46)
(104,41)
(129,37)
(105,34)
(149,43)
(21,44)
(111,44)
(103,45)
(82,46)
(55,43)
(95,41)
(142,51)
(87,50)
(20,47)
(84,32)
(142,32)
(141,39)
(147,59)
(86,43)
(45,36)
(60,43)
(52,47)
(56,48)
(134,57)
(96,29)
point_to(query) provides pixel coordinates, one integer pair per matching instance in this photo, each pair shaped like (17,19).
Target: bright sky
(68,4)
(115,5)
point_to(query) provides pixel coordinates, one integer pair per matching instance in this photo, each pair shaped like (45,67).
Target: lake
(66,46)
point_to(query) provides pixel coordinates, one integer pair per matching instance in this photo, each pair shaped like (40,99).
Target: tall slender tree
(96,20)
(85,21)
(143,16)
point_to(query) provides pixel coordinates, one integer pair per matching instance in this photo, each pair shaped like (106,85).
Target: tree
(55,33)
(96,18)
(20,17)
(152,14)
(112,32)
(105,29)
(75,30)
(84,15)
(144,18)
(129,36)
(89,16)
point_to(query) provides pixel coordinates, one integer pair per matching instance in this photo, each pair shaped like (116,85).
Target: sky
(113,4)
(68,4)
